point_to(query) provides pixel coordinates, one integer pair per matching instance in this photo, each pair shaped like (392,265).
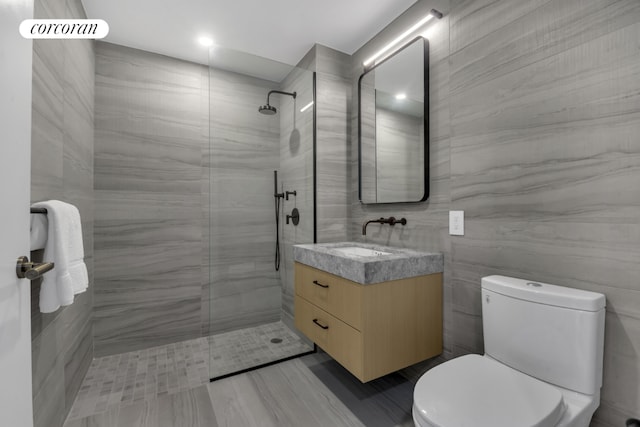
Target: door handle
(26,269)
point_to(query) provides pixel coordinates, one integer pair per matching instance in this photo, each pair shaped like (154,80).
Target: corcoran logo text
(64,28)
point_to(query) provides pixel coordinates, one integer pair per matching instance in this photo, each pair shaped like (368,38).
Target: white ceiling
(281,30)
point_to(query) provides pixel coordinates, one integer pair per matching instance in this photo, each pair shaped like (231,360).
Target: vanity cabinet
(371,329)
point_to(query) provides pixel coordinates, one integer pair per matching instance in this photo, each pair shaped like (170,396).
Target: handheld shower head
(270,110)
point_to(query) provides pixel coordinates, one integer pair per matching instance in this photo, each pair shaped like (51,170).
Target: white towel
(64,247)
(39,231)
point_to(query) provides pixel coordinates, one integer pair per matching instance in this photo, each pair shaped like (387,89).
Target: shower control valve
(290,193)
(294,217)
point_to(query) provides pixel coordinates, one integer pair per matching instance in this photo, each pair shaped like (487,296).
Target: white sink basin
(358,251)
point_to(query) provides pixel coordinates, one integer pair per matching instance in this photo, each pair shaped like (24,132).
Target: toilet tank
(553,333)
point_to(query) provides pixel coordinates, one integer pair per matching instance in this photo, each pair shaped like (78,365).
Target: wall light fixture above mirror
(380,55)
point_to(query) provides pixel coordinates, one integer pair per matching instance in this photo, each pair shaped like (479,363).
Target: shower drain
(276,340)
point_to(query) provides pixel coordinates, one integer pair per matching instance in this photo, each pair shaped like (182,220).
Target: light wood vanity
(372,329)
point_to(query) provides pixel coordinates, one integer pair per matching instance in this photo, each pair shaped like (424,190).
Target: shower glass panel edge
(247,303)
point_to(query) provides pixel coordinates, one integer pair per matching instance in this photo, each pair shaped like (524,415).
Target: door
(15,149)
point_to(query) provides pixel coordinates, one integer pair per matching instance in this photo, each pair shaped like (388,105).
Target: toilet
(542,365)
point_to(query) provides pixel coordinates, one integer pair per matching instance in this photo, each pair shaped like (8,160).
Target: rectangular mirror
(393,127)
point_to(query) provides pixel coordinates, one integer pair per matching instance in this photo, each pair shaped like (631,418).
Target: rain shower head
(270,110)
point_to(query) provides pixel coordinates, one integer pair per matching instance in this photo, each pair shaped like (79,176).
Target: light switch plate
(456,223)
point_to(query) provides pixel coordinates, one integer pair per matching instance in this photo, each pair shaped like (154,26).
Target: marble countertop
(398,264)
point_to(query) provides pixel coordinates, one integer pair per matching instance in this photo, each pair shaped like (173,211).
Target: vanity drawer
(335,295)
(339,340)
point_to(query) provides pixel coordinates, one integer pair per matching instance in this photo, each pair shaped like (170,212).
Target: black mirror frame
(425,116)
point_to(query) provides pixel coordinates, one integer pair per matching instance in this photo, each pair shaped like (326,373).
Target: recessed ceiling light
(401,96)
(205,41)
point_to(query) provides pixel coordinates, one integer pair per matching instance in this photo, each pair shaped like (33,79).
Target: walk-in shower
(251,302)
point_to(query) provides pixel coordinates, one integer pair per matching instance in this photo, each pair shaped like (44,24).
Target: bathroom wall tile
(114,205)
(49,399)
(155,106)
(296,170)
(288,280)
(467,336)
(149,212)
(47,119)
(162,72)
(77,361)
(621,369)
(73,320)
(331,153)
(75,8)
(165,282)
(46,355)
(331,62)
(152,254)
(252,307)
(62,168)
(537,34)
(469,19)
(137,150)
(131,319)
(609,414)
(620,385)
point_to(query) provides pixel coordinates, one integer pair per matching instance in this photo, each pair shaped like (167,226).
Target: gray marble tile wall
(535,116)
(169,203)
(245,150)
(149,142)
(332,128)
(296,173)
(62,168)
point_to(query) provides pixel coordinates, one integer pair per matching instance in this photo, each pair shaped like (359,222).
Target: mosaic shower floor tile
(127,378)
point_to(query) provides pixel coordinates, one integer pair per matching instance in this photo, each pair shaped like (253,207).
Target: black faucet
(391,221)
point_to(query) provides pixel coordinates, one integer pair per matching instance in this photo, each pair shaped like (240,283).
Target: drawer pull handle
(315,282)
(320,324)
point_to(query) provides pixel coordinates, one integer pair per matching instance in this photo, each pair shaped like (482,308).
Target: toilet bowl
(542,367)
(478,391)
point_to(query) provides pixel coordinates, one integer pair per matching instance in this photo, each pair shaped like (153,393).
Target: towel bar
(39,211)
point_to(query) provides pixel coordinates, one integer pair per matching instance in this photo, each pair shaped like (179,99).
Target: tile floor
(238,350)
(309,391)
(119,381)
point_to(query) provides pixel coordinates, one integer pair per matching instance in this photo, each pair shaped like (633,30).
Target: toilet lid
(477,391)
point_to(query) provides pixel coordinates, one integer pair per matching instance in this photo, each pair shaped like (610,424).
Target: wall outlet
(456,223)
